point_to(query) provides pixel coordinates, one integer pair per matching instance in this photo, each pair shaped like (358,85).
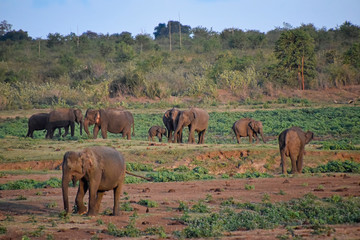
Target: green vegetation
(88,69)
(266,215)
(148,203)
(335,166)
(339,126)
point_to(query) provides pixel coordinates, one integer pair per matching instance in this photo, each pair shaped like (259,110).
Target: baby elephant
(156,131)
(292,144)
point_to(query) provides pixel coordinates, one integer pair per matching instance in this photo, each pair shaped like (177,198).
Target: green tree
(352,55)
(296,55)
(4,27)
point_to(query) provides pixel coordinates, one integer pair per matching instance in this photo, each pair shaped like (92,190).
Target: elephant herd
(101,169)
(291,141)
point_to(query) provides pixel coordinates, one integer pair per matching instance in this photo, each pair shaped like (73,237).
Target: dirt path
(41,207)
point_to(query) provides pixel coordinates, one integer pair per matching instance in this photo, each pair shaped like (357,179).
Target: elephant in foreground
(170,120)
(247,127)
(156,131)
(98,169)
(64,117)
(197,120)
(110,119)
(37,122)
(292,144)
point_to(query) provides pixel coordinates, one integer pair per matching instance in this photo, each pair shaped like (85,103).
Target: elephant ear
(252,124)
(88,160)
(167,114)
(192,115)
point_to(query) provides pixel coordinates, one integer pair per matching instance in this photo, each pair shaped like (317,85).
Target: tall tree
(296,55)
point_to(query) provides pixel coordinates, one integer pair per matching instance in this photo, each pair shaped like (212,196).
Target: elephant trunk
(262,135)
(81,126)
(86,126)
(65,191)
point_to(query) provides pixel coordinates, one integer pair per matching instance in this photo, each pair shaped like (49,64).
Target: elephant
(64,117)
(292,144)
(110,119)
(248,127)
(156,131)
(38,121)
(98,169)
(170,120)
(197,120)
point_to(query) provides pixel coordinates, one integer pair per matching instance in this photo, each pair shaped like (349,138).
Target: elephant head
(75,165)
(90,119)
(257,127)
(184,119)
(309,136)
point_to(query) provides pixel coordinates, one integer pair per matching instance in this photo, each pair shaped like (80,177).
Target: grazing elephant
(292,144)
(156,131)
(98,169)
(197,120)
(64,117)
(248,127)
(112,120)
(170,120)
(38,121)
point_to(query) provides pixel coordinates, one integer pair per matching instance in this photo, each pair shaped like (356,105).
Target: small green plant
(38,232)
(51,205)
(265,198)
(208,198)
(200,207)
(129,231)
(305,184)
(225,176)
(249,187)
(64,216)
(100,222)
(183,206)
(281,192)
(108,211)
(126,206)
(49,236)
(20,197)
(156,231)
(3,230)
(148,203)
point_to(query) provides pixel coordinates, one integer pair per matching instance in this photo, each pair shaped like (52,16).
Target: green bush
(335,166)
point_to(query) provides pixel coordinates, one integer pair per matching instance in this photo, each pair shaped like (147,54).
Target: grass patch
(307,210)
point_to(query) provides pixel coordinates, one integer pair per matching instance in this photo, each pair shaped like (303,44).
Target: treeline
(179,60)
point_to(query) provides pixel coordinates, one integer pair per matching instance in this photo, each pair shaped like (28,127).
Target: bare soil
(41,207)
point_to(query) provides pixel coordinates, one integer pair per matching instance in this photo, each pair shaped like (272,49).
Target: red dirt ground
(35,210)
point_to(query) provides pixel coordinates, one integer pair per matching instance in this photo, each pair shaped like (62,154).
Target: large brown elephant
(170,120)
(197,120)
(110,119)
(292,144)
(98,169)
(37,122)
(247,127)
(64,117)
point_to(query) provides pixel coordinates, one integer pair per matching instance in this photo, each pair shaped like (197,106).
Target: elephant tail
(133,133)
(135,175)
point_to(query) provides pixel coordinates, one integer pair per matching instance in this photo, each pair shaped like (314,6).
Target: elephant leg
(283,161)
(96,131)
(203,137)
(299,162)
(256,138)
(250,138)
(169,135)
(72,127)
(117,193)
(83,187)
(238,139)
(104,133)
(59,131)
(66,131)
(128,134)
(98,201)
(293,158)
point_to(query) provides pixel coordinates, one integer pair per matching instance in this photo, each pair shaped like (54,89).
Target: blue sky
(41,17)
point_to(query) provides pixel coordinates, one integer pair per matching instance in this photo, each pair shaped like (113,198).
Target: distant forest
(177,60)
